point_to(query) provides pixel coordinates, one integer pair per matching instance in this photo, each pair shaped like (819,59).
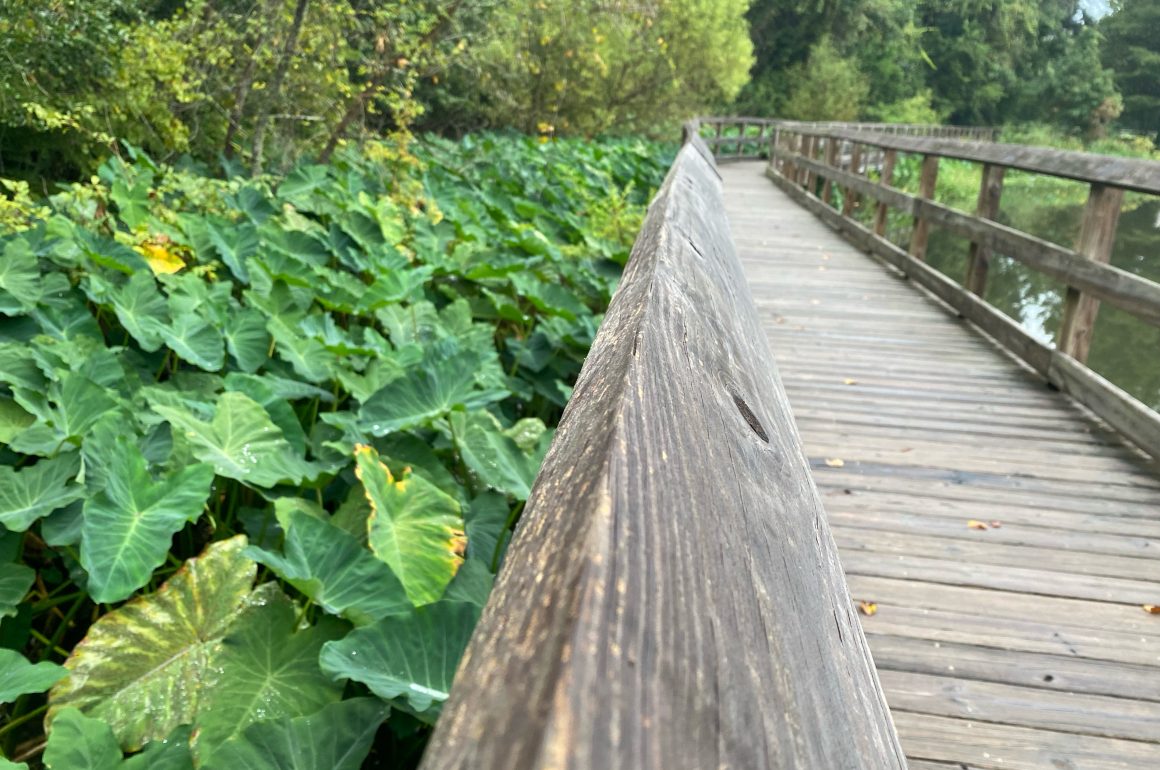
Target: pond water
(1124,349)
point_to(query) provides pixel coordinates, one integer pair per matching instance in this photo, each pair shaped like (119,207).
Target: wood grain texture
(1123,412)
(1127,173)
(927,180)
(672,597)
(1020,646)
(1096,240)
(987,207)
(1132,293)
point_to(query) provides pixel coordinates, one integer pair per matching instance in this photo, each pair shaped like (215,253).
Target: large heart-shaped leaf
(426,392)
(37,490)
(407,657)
(15,580)
(196,340)
(145,668)
(338,737)
(77,403)
(242,442)
(19,677)
(141,309)
(129,524)
(204,650)
(20,287)
(308,356)
(414,527)
(267,670)
(234,242)
(496,457)
(247,339)
(78,742)
(334,570)
(13,419)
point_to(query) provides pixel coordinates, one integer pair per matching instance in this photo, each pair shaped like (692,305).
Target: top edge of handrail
(1136,174)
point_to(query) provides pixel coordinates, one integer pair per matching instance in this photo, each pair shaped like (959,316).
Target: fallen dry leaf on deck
(850,381)
(976,524)
(835,462)
(995,523)
(1152,609)
(867,608)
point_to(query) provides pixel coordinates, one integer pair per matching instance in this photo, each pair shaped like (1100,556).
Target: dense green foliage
(963,61)
(262,441)
(261,83)
(596,66)
(1133,53)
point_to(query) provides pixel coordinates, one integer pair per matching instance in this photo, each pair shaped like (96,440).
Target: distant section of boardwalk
(1007,539)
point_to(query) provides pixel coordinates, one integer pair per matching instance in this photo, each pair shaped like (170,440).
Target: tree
(1132,52)
(591,66)
(1067,86)
(827,86)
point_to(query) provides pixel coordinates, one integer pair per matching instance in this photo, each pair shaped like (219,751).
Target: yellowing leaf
(415,527)
(159,258)
(976,524)
(835,462)
(849,381)
(867,608)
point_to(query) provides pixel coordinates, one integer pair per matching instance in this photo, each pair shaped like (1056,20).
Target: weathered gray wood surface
(672,597)
(1127,291)
(1127,173)
(1020,646)
(1123,412)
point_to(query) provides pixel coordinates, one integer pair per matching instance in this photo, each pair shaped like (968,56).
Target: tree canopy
(962,61)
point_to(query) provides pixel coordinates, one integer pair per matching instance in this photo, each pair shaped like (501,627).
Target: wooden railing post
(926,185)
(832,148)
(979,256)
(1096,239)
(849,197)
(805,177)
(889,157)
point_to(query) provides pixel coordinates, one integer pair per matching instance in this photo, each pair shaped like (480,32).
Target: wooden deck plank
(1056,673)
(1078,713)
(984,746)
(1022,646)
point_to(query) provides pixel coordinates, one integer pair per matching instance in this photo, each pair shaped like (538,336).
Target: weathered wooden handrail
(1126,173)
(672,597)
(795,167)
(748,147)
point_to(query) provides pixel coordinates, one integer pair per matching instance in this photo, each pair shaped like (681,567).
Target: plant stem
(511,520)
(16,722)
(47,642)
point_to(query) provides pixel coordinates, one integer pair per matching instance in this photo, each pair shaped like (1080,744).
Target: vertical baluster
(850,199)
(926,185)
(807,152)
(1096,238)
(833,147)
(979,256)
(887,176)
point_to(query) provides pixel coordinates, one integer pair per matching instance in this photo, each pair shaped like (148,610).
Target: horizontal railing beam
(1124,413)
(672,596)
(1125,290)
(1127,173)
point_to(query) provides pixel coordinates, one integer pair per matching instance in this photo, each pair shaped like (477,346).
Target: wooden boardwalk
(1020,646)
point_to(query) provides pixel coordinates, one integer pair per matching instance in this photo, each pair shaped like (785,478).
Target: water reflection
(1124,349)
